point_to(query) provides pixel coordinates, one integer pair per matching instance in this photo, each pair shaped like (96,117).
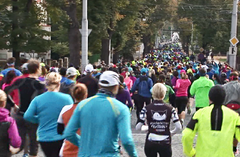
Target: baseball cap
(25,66)
(89,68)
(71,71)
(143,70)
(108,79)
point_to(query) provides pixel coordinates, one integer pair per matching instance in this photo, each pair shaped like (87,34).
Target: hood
(67,82)
(3,114)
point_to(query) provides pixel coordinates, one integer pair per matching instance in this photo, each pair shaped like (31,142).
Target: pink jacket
(182,87)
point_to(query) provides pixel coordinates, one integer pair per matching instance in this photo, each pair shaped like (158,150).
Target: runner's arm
(237,130)
(125,133)
(72,127)
(188,136)
(31,113)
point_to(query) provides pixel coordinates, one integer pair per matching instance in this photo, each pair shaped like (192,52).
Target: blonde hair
(3,98)
(184,75)
(53,81)
(159,91)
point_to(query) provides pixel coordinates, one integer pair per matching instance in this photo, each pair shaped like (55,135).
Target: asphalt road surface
(139,138)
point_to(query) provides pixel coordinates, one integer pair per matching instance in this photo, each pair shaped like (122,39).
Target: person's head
(183,75)
(63,72)
(162,78)
(44,71)
(11,62)
(89,69)
(109,81)
(202,72)
(143,71)
(175,73)
(234,76)
(34,67)
(159,91)
(79,92)
(3,99)
(217,95)
(71,73)
(10,76)
(24,68)
(53,81)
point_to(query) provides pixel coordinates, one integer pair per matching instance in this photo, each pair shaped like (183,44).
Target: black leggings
(51,149)
(153,149)
(181,103)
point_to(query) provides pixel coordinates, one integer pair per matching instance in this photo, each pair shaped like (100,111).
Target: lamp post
(233,48)
(85,33)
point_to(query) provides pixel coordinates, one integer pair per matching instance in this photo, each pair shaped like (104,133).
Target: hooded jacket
(215,126)
(8,133)
(143,84)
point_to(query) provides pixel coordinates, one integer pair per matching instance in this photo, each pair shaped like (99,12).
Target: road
(139,138)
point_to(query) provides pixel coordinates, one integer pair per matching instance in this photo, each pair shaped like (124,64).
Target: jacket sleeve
(188,135)
(150,83)
(31,113)
(193,89)
(15,139)
(72,127)
(177,84)
(125,133)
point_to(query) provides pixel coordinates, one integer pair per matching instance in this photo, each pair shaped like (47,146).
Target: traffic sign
(234,41)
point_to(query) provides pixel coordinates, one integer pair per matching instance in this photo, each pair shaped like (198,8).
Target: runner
(200,89)
(89,81)
(215,125)
(232,99)
(182,94)
(102,120)
(44,110)
(8,129)
(28,88)
(143,84)
(158,116)
(68,84)
(79,93)
(11,66)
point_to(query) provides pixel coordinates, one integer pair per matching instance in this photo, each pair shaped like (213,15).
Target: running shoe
(25,155)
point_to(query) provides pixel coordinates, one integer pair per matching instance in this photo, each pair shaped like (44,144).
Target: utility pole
(233,48)
(85,33)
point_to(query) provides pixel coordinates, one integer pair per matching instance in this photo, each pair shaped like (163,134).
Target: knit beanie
(217,95)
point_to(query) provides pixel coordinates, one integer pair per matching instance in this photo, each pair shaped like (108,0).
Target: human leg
(51,149)
(32,134)
(149,149)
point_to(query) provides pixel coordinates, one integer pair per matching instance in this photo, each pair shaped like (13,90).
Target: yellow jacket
(211,142)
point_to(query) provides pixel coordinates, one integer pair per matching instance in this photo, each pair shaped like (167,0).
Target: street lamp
(85,33)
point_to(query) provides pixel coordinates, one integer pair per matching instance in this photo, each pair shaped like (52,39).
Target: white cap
(25,66)
(108,79)
(89,68)
(71,71)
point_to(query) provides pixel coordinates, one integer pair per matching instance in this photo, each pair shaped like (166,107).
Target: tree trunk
(74,35)
(105,50)
(115,57)
(147,44)
(15,51)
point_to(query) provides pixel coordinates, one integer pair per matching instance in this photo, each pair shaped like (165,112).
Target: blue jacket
(102,121)
(143,84)
(44,110)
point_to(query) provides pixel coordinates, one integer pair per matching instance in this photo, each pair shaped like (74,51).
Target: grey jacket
(232,92)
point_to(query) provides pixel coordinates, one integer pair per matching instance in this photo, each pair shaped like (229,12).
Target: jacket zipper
(216,119)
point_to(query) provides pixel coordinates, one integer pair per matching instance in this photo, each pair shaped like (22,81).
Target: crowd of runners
(69,114)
